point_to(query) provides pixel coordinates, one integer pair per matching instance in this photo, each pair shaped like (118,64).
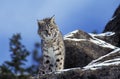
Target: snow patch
(70,34)
(115,51)
(113,18)
(93,39)
(74,39)
(102,43)
(95,64)
(65,70)
(100,65)
(103,34)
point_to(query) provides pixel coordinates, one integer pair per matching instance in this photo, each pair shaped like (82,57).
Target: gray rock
(81,51)
(78,34)
(113,39)
(107,69)
(114,26)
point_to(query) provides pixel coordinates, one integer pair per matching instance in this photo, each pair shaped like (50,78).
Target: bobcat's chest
(51,52)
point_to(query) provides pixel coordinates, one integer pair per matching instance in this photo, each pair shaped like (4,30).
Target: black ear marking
(53,16)
(52,19)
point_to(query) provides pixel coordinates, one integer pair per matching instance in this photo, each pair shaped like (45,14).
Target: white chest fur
(51,52)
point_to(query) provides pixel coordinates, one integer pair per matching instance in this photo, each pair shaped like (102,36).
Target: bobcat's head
(47,28)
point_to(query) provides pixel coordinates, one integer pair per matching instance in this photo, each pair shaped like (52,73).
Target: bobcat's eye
(51,28)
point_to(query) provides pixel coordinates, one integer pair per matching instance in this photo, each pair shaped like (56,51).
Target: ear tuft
(52,18)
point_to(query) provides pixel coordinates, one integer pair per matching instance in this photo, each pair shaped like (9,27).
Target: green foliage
(15,69)
(19,54)
(5,72)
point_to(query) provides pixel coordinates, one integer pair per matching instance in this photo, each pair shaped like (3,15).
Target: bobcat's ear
(52,19)
(40,21)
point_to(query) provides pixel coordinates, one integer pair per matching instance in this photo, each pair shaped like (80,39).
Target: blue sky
(20,16)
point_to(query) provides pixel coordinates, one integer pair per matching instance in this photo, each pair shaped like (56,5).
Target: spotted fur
(53,49)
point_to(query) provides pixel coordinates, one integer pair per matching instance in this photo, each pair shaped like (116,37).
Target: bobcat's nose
(47,32)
